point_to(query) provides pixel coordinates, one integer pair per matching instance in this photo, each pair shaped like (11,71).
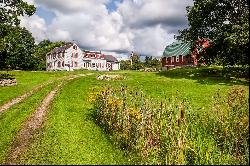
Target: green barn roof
(177,48)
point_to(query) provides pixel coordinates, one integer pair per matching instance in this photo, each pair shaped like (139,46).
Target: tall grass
(170,131)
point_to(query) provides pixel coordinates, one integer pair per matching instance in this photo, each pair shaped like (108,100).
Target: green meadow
(71,135)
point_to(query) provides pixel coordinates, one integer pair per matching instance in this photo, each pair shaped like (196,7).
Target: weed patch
(171,131)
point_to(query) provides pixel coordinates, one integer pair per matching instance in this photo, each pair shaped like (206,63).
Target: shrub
(6,76)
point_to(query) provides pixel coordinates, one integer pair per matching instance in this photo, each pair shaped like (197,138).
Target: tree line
(134,63)
(224,22)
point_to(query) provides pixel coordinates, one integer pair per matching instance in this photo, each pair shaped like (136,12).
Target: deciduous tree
(16,43)
(226,24)
(18,49)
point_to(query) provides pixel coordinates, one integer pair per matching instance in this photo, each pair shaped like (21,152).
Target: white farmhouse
(70,57)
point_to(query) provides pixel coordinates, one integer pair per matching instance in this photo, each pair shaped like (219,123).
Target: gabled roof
(177,48)
(110,58)
(61,49)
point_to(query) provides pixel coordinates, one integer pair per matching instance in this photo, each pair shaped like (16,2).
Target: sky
(112,26)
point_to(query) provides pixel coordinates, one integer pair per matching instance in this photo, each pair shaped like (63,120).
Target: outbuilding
(179,54)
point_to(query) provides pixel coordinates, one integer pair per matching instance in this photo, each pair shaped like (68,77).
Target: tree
(16,43)
(148,61)
(152,62)
(18,48)
(226,24)
(12,9)
(137,65)
(125,65)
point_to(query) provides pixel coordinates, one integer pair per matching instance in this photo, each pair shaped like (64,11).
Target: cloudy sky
(115,26)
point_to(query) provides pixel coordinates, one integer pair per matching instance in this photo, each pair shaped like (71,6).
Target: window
(172,58)
(75,64)
(75,47)
(76,55)
(166,60)
(177,58)
(182,58)
(58,64)
(63,64)
(93,64)
(92,55)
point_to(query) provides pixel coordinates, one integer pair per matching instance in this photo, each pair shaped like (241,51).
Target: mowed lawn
(70,135)
(12,119)
(26,81)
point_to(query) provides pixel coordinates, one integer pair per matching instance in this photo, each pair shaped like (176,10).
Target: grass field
(70,134)
(11,120)
(26,81)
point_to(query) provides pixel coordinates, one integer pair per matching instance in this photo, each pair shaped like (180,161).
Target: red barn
(179,54)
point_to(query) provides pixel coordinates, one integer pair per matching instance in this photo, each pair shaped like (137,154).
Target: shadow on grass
(132,156)
(210,75)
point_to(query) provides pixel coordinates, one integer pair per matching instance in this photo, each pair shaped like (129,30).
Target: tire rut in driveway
(33,124)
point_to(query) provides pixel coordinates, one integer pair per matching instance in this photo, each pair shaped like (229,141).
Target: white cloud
(145,26)
(36,25)
(29,1)
(152,40)
(138,13)
(91,30)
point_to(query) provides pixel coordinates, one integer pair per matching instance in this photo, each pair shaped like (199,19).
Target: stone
(109,77)
(8,82)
